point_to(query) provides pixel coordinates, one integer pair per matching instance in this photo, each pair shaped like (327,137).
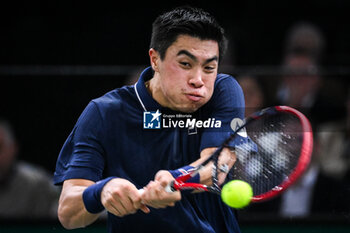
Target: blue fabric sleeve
(226,104)
(81,155)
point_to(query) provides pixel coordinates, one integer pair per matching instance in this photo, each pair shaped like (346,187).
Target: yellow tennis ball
(237,194)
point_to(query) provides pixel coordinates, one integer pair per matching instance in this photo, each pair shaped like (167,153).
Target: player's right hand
(120,197)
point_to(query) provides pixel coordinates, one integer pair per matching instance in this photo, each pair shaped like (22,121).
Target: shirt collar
(146,100)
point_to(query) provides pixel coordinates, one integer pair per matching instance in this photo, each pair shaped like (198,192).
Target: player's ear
(154,57)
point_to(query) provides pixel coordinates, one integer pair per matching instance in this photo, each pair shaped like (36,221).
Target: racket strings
(270,153)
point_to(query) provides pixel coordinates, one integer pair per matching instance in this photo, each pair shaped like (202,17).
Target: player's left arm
(226,104)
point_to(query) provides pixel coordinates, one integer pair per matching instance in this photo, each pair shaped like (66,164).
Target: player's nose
(196,79)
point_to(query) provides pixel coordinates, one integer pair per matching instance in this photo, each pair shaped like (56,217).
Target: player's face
(187,74)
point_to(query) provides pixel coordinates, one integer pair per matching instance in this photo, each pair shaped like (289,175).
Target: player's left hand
(225,163)
(154,194)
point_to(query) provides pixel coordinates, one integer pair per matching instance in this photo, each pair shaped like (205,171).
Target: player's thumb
(164,177)
(144,209)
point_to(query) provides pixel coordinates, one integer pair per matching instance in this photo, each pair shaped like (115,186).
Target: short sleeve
(81,156)
(226,105)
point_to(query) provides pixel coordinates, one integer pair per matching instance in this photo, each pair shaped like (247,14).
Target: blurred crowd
(26,190)
(324,190)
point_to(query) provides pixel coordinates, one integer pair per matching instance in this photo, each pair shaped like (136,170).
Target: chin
(189,109)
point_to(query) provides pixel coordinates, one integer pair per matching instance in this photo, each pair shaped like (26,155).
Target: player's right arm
(118,196)
(71,210)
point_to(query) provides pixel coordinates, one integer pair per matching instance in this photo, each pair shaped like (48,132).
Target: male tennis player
(132,135)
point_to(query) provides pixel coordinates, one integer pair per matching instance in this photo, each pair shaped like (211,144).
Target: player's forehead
(195,46)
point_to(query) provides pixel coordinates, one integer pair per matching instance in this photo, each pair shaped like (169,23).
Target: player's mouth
(194,97)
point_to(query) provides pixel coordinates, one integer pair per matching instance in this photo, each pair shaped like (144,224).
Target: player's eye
(209,69)
(185,64)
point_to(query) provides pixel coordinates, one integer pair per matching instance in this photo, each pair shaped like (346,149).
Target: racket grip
(170,187)
(141,191)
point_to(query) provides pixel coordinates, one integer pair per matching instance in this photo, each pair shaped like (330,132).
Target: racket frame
(304,159)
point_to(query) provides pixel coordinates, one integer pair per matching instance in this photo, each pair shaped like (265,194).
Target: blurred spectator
(253,93)
(334,143)
(301,81)
(325,188)
(306,38)
(316,192)
(301,86)
(26,191)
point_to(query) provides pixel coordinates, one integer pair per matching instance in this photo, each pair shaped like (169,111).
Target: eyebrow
(193,57)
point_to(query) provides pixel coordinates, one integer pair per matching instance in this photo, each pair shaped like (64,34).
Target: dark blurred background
(43,106)
(77,32)
(57,56)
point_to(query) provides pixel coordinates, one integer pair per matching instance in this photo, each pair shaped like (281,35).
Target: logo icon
(236,123)
(151,120)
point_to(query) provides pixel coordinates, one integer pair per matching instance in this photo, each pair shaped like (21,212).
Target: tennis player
(132,138)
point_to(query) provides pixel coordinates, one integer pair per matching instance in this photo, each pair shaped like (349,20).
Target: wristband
(92,196)
(183,171)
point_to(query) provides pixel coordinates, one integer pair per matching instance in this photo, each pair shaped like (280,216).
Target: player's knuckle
(171,204)
(177,197)
(119,214)
(127,186)
(136,199)
(108,206)
(132,211)
(107,203)
(122,212)
(123,186)
(234,159)
(117,193)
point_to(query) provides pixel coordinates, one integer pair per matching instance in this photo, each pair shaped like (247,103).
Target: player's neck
(154,89)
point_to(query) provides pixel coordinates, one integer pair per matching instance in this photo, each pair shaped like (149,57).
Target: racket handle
(170,187)
(141,191)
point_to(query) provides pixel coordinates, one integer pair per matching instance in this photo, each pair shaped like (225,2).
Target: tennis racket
(272,147)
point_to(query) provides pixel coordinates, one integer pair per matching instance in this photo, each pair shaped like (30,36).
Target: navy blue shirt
(109,139)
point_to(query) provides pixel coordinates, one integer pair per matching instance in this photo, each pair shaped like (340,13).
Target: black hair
(186,20)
